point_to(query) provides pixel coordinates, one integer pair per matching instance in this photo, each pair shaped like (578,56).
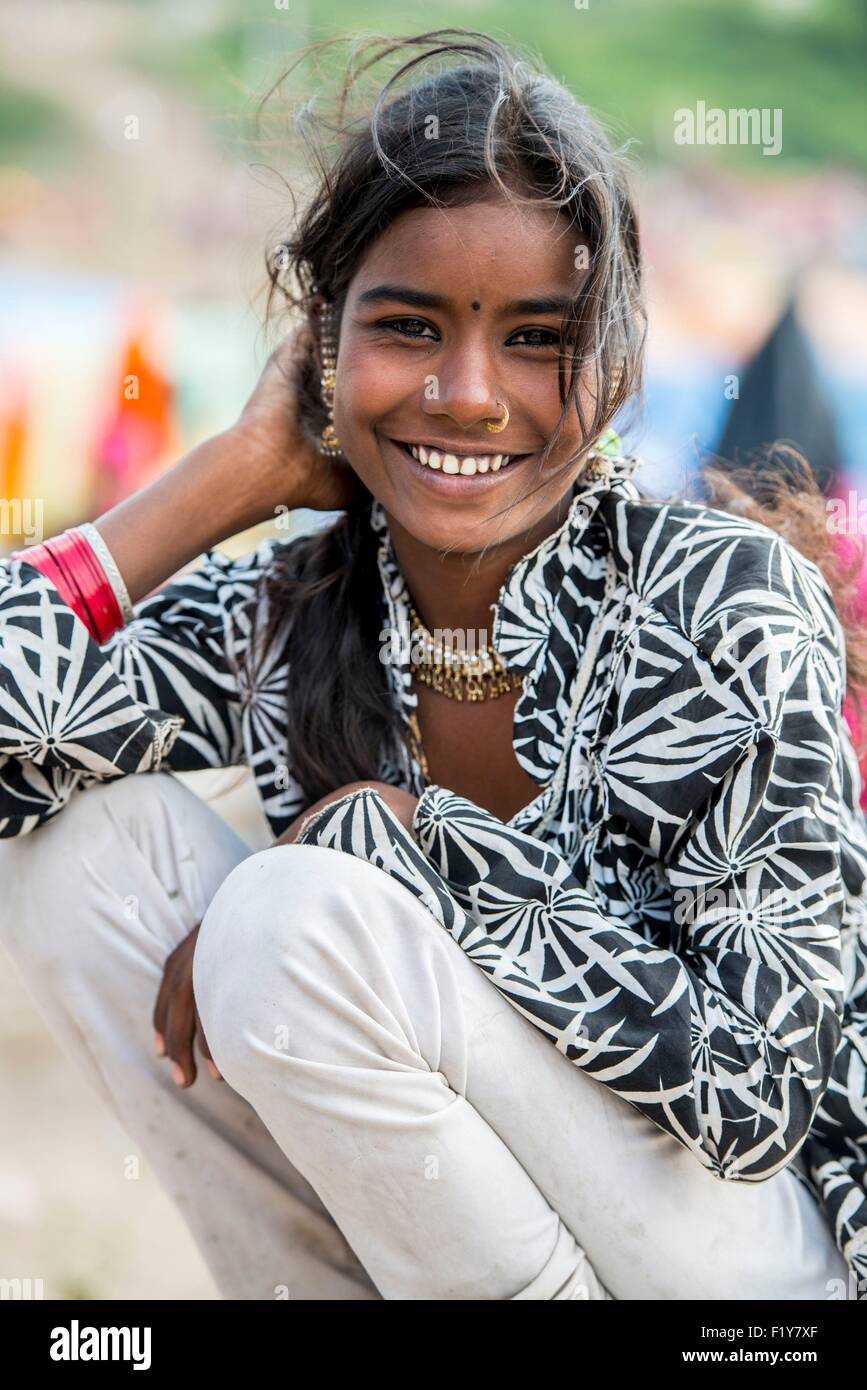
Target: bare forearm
(232,481)
(208,495)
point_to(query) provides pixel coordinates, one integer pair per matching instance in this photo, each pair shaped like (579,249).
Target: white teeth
(450,463)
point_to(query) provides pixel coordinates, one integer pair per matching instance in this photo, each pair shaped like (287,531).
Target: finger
(161,1009)
(181,1029)
(205,1049)
(201,1039)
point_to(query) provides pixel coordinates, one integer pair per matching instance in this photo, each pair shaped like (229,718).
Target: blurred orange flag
(139,434)
(13,451)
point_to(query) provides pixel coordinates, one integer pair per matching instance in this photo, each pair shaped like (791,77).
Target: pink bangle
(71,564)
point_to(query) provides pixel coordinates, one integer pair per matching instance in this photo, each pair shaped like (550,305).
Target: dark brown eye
(408,328)
(537,337)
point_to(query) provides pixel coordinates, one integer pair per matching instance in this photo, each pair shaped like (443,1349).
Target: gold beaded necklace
(481,675)
(473,676)
(416,748)
(459,675)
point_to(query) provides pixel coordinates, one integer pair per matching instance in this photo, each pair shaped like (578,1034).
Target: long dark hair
(502,126)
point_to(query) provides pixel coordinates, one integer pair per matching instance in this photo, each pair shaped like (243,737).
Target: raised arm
(73,711)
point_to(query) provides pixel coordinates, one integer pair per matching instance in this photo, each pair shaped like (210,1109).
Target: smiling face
(453,315)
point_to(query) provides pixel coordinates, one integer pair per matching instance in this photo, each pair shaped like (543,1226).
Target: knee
(278,938)
(271,905)
(280,897)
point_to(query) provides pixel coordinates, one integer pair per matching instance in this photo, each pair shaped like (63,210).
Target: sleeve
(163,692)
(725,1036)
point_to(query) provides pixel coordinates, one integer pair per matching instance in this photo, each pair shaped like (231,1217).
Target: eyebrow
(423,299)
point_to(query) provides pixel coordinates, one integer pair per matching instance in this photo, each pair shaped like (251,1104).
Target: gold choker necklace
(457,675)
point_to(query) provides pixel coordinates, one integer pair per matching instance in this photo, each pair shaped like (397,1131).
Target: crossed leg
(93,902)
(461,1155)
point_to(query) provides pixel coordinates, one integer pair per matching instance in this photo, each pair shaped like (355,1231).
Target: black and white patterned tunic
(682,909)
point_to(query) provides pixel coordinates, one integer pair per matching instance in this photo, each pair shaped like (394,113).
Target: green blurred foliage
(634,61)
(33,122)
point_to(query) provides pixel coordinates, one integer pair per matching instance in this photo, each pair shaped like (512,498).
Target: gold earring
(495,429)
(329,444)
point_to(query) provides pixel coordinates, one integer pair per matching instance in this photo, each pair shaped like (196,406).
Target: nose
(464,388)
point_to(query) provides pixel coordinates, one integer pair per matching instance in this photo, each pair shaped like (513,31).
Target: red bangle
(68,560)
(76,556)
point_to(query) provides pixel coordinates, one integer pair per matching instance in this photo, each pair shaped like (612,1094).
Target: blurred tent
(781,396)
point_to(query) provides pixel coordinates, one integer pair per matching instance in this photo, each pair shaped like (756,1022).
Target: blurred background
(137,202)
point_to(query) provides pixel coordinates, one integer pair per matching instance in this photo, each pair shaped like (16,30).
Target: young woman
(628,828)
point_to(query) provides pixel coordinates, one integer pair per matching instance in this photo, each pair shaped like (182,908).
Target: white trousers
(389,1126)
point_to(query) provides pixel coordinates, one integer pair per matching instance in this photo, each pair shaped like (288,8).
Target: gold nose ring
(501,424)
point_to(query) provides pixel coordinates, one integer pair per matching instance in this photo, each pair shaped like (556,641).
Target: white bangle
(112,573)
